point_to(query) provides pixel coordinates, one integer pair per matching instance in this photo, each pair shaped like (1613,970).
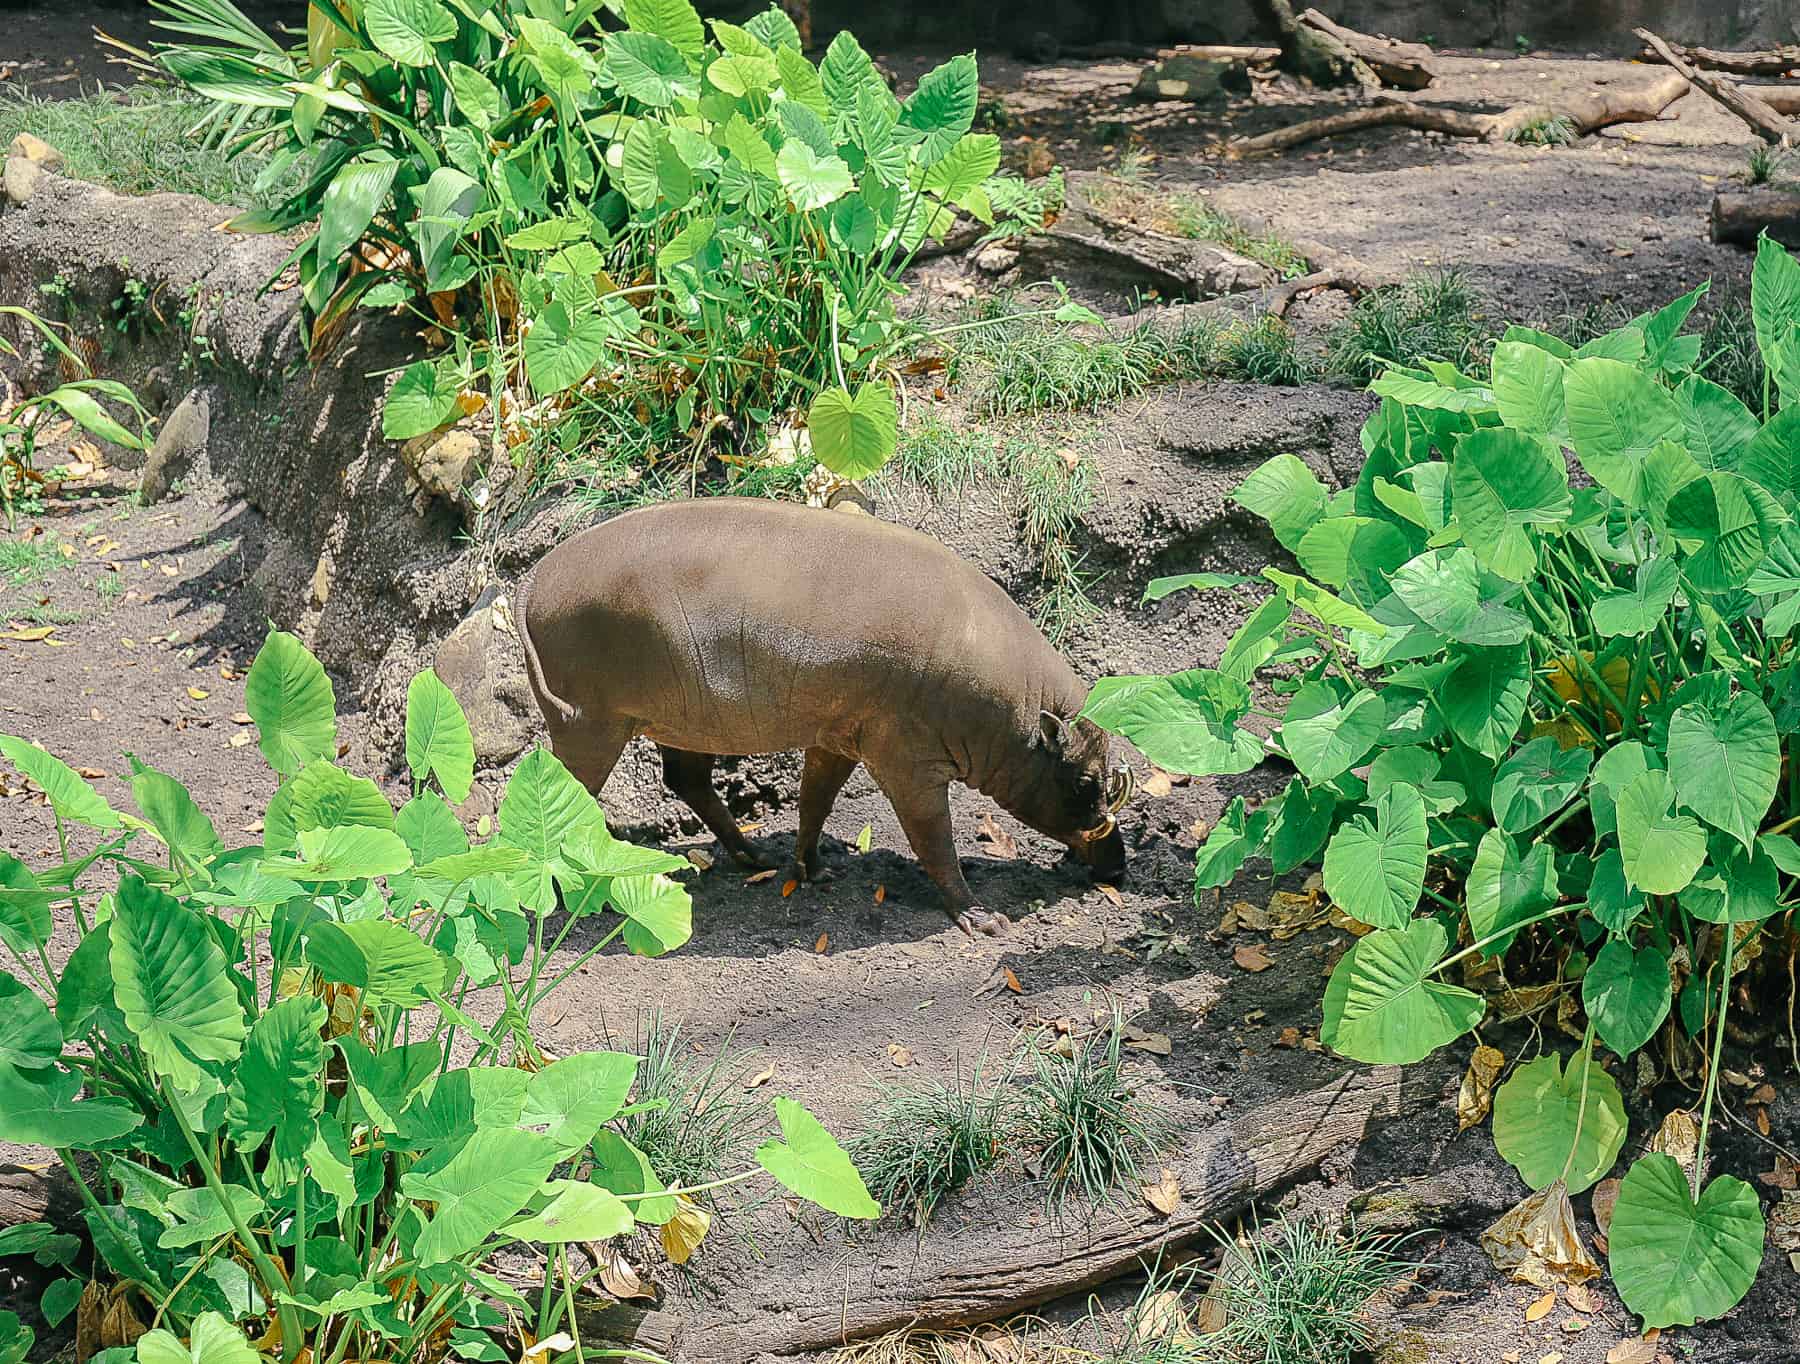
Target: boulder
(179,443)
(483,663)
(443,462)
(35,150)
(21,180)
(1198,80)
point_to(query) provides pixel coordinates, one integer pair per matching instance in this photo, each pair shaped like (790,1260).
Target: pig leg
(922,801)
(689,775)
(588,750)
(820,782)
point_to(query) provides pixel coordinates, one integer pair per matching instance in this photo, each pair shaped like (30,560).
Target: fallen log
(1223,52)
(989,1263)
(1582,113)
(1783,99)
(1764,121)
(1405,66)
(39,1193)
(1311,53)
(1739,217)
(1124,257)
(1776,61)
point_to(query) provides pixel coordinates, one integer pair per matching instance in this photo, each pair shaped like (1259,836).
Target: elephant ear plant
(1541,722)
(671,224)
(305,1071)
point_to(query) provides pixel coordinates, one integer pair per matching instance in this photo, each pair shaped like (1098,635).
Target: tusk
(1100,830)
(1124,784)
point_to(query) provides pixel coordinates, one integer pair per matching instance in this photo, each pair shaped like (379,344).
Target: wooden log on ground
(1739,217)
(1223,52)
(1764,121)
(984,1266)
(1783,99)
(1125,257)
(38,1193)
(1584,113)
(1776,61)
(1404,66)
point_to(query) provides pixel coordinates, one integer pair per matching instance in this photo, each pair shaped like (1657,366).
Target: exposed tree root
(1581,114)
(1763,119)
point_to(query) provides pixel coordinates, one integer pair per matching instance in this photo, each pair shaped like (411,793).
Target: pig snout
(1104,855)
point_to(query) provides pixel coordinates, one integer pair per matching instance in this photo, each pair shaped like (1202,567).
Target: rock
(996,258)
(483,663)
(21,180)
(321,581)
(1470,1195)
(443,463)
(37,151)
(182,439)
(1194,79)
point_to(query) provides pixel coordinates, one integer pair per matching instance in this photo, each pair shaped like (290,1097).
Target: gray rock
(483,664)
(1194,79)
(180,442)
(21,180)
(443,465)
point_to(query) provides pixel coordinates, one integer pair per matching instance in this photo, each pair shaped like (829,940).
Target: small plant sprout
(692,1119)
(1764,163)
(1082,1114)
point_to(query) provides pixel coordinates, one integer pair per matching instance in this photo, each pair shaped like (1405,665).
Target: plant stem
(1477,946)
(1718,1051)
(1587,1069)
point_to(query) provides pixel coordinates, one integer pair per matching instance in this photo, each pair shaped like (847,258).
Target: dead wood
(1783,99)
(1405,66)
(987,1265)
(1223,52)
(1311,53)
(1775,61)
(1739,217)
(1763,120)
(1124,257)
(39,1193)
(1583,114)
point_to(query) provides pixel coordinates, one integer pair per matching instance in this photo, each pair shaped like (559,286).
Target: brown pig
(738,626)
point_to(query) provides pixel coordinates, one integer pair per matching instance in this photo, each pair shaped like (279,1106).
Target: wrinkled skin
(737,626)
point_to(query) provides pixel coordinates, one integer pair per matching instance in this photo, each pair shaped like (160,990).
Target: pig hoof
(750,859)
(977,920)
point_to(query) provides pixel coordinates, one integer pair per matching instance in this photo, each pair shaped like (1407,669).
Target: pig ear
(1054,729)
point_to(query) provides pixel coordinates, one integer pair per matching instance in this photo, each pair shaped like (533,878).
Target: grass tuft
(1083,1114)
(706,1126)
(944,461)
(1549,130)
(1763,164)
(26,561)
(1127,194)
(137,141)
(1433,316)
(923,1142)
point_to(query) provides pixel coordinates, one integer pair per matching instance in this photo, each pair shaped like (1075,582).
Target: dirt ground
(823,984)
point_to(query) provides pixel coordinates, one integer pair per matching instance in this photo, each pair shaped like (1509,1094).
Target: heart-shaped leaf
(1376,872)
(171,985)
(1660,850)
(1186,722)
(1676,1262)
(70,797)
(1537,1111)
(289,697)
(1502,483)
(1725,761)
(1626,993)
(1381,1006)
(478,1186)
(853,435)
(809,1162)
(438,740)
(1326,734)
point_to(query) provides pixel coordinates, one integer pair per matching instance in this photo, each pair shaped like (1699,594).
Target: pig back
(729,625)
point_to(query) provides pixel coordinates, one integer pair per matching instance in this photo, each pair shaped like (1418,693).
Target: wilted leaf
(761,1078)
(1165,1194)
(755,877)
(683,1233)
(1633,1350)
(1012,981)
(899,1055)
(619,1277)
(1606,1193)
(1000,843)
(1542,1308)
(1537,1241)
(823,944)
(1156,1043)
(1252,957)
(1476,1097)
(700,858)
(1679,1136)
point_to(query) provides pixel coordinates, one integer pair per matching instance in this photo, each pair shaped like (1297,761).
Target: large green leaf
(1626,993)
(322,796)
(648,69)
(211,1340)
(289,697)
(1502,483)
(853,434)
(1448,590)
(70,797)
(1483,698)
(1228,845)
(1528,387)
(1718,426)
(180,823)
(1676,1262)
(1256,639)
(1506,887)
(1381,1006)
(674,21)
(1617,415)
(942,107)
(1734,886)
(407,29)
(1301,823)
(477,1186)
(1613,901)
(1186,722)
(1536,781)
(807,1161)
(348,852)
(389,962)
(847,72)
(650,169)
(1774,297)
(422,399)
(171,984)
(1376,872)
(1636,610)
(569,1210)
(543,809)
(1660,850)
(438,740)
(1354,553)
(26,922)
(1726,524)
(279,1082)
(661,913)
(811,180)
(40,1108)
(1725,762)
(1537,1111)
(571,1099)
(1326,734)
(563,347)
(29,1037)
(623,1169)
(1286,494)
(353,198)
(1324,607)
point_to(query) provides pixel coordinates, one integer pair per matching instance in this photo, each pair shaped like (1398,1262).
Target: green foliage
(1082,1115)
(693,1117)
(687,224)
(921,1143)
(83,399)
(1431,316)
(258,1043)
(1575,709)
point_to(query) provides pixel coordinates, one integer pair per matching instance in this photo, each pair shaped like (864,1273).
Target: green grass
(922,1142)
(1763,164)
(1126,194)
(1298,1292)
(944,461)
(1439,315)
(1550,130)
(707,1123)
(27,561)
(137,141)
(32,613)
(1083,1115)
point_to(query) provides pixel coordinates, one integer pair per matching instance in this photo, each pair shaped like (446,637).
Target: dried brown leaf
(1476,1098)
(761,1078)
(700,858)
(1538,1243)
(1137,1039)
(1252,957)
(757,877)
(618,1275)
(788,887)
(1542,1307)
(1679,1136)
(1012,981)
(823,945)
(1111,893)
(1632,1350)
(900,1055)
(1165,1194)
(1000,843)
(1157,784)
(682,1234)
